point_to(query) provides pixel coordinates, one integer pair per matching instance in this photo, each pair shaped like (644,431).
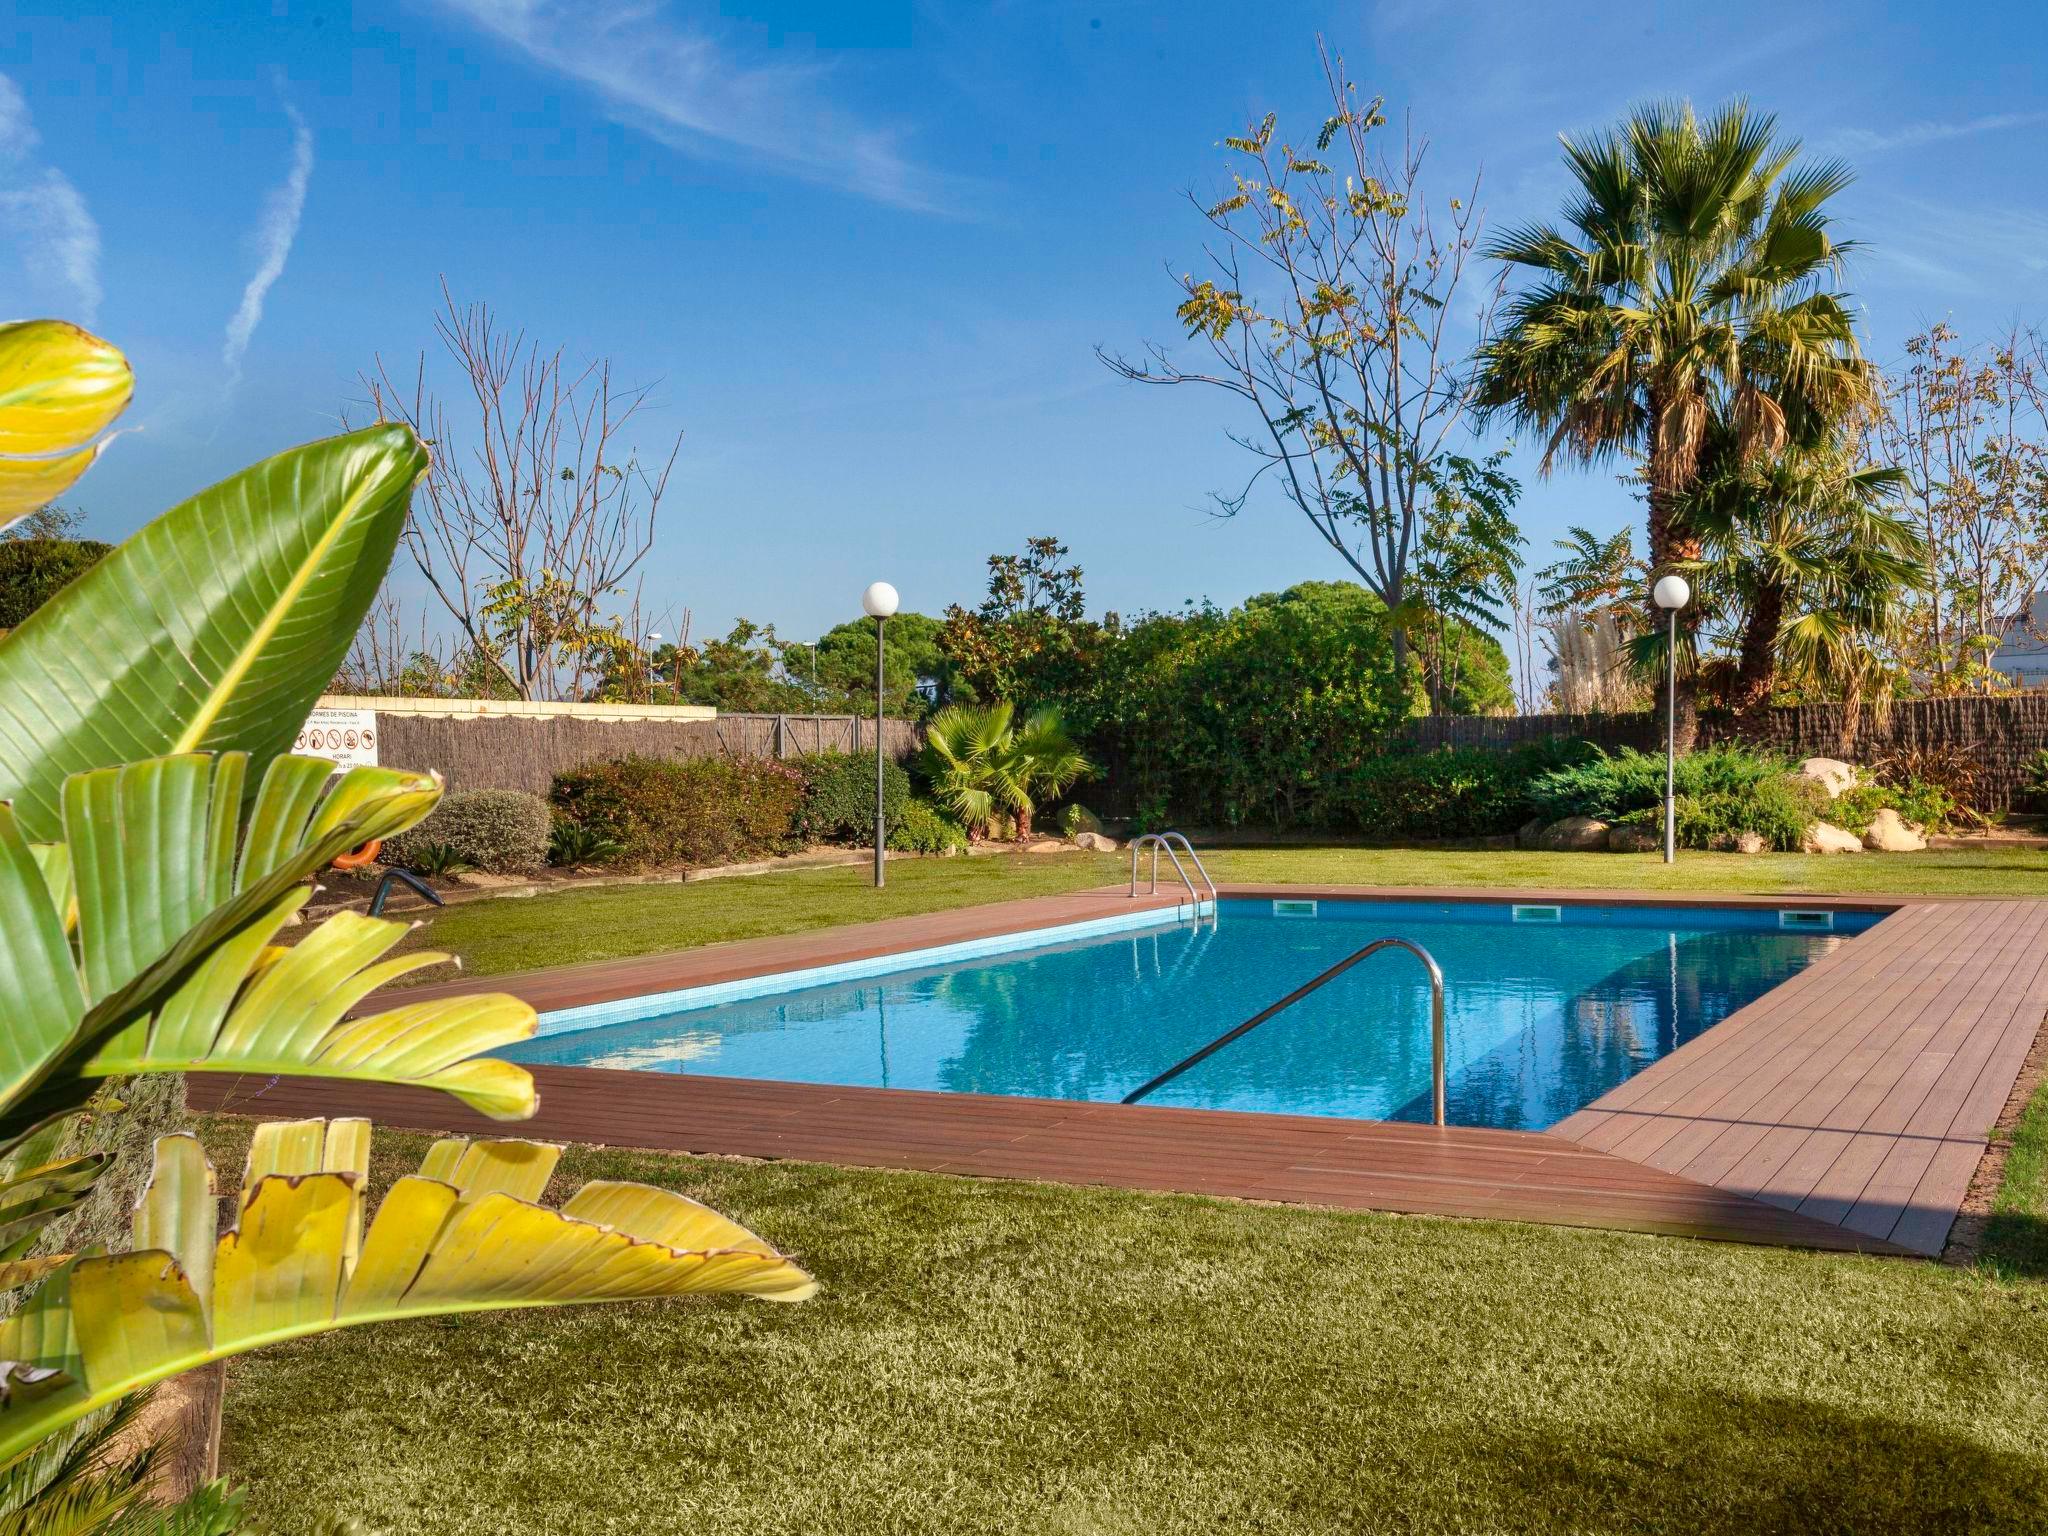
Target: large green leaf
(214,628)
(465,1234)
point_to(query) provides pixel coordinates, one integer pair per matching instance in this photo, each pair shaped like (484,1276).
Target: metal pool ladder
(1436,1022)
(1166,840)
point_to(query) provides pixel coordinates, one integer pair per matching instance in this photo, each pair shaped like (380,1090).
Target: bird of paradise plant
(155,841)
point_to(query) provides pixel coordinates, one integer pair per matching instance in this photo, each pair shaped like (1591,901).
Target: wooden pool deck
(1845,1109)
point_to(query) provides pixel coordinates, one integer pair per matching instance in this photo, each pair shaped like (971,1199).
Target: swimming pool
(1546,1009)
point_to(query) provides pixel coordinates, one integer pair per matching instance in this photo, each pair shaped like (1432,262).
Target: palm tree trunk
(1757,671)
(1675,423)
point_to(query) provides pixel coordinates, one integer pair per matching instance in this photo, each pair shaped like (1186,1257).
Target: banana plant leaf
(214,628)
(173,903)
(465,1234)
(60,388)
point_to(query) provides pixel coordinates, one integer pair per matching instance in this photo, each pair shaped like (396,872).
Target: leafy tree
(840,667)
(743,671)
(1466,567)
(48,522)
(1330,308)
(32,571)
(1030,640)
(1694,280)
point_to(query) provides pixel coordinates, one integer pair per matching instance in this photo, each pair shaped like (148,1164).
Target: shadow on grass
(1732,1463)
(2015,1246)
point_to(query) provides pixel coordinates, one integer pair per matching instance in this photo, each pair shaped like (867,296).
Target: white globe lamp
(879,602)
(1671,593)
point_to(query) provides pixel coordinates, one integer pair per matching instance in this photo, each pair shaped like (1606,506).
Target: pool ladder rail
(1167,841)
(1436,1021)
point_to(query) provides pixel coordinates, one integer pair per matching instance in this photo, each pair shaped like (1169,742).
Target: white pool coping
(654,1004)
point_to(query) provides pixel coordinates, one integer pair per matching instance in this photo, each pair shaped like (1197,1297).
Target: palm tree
(1808,549)
(1694,280)
(981,764)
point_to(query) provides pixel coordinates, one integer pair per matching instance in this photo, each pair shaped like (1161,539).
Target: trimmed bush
(499,831)
(839,797)
(1609,785)
(1450,792)
(921,827)
(32,571)
(693,811)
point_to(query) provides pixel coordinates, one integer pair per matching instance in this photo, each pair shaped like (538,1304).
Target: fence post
(781,743)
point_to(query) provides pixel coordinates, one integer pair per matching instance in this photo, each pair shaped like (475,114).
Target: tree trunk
(1757,671)
(1675,423)
(1024,823)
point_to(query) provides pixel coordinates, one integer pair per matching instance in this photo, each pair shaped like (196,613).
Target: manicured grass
(498,936)
(2016,1237)
(995,1357)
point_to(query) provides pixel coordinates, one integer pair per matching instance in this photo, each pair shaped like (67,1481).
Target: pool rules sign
(348,736)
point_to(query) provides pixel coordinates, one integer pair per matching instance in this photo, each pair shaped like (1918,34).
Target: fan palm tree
(1807,548)
(1695,278)
(981,763)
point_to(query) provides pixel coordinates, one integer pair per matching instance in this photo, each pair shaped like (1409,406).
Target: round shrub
(921,827)
(839,796)
(498,831)
(692,811)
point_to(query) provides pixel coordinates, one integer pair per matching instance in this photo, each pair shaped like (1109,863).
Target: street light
(1671,594)
(879,601)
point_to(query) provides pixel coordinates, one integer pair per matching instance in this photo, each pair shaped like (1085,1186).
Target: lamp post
(1671,594)
(879,601)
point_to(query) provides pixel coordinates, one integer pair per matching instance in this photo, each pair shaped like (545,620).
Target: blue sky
(866,250)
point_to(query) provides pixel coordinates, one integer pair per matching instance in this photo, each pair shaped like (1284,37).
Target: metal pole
(881,832)
(1671,746)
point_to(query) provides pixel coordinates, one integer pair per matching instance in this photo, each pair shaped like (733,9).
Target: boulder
(1822,837)
(1633,840)
(1530,835)
(1750,842)
(1048,845)
(1076,819)
(1096,841)
(1892,833)
(1831,774)
(1575,834)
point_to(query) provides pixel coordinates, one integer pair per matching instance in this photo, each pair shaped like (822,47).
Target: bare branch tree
(537,508)
(1349,358)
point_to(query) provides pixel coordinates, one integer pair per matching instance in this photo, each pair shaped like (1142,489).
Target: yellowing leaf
(60,387)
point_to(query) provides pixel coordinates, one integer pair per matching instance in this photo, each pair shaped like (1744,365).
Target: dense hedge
(499,831)
(692,811)
(32,571)
(1450,792)
(921,827)
(839,796)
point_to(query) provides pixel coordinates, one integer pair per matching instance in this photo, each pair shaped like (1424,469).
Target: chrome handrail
(1169,838)
(1156,841)
(1436,1022)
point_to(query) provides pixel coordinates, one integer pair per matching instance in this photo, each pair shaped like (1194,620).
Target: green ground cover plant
(998,1357)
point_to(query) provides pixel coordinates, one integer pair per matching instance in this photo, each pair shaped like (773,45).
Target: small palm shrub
(499,831)
(839,797)
(434,860)
(921,827)
(983,766)
(692,811)
(571,843)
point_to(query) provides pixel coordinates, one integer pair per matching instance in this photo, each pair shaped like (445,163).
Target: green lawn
(995,1357)
(497,936)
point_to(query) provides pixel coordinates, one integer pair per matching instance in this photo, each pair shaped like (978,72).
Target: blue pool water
(1542,1016)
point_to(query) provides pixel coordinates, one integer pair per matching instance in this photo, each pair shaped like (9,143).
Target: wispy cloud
(673,81)
(275,232)
(1866,141)
(59,242)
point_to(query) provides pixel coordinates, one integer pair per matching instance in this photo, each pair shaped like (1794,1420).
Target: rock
(1096,841)
(1575,834)
(1633,840)
(1076,819)
(1822,837)
(1531,833)
(1047,845)
(479,880)
(1892,833)
(1831,774)
(1750,842)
